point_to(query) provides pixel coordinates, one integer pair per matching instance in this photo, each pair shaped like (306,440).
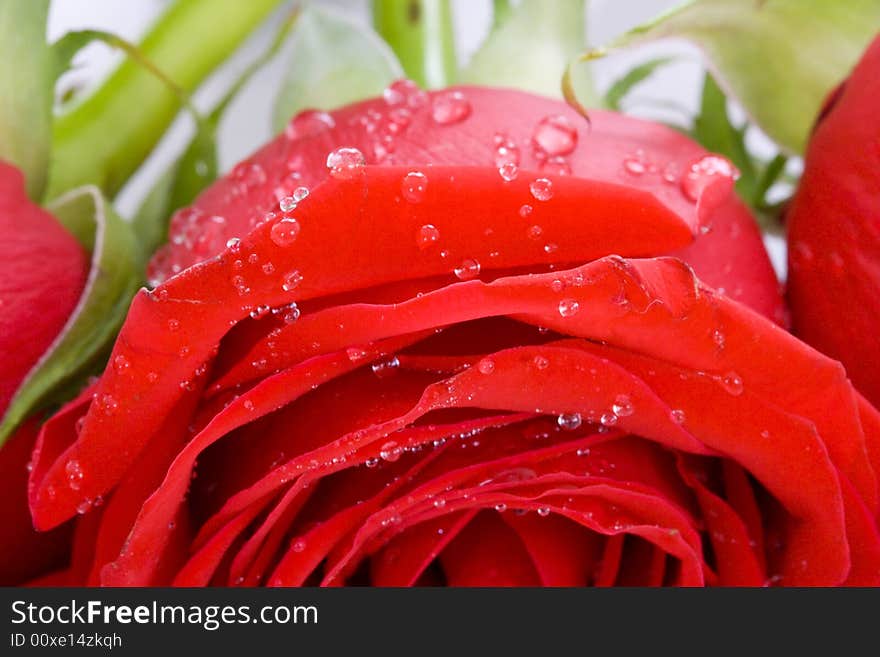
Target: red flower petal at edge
(42,274)
(295,438)
(834,230)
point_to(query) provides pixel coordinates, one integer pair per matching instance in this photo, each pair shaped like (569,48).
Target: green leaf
(116,274)
(333,61)
(420,33)
(621,88)
(714,130)
(531,50)
(26,90)
(779,58)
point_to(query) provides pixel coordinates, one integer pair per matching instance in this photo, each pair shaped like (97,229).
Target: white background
(246,124)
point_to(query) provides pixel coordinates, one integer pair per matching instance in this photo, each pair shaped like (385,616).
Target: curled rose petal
(428,368)
(833,230)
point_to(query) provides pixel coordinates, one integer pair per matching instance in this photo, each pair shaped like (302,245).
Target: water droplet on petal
(541,362)
(569,421)
(542,189)
(427,236)
(568,307)
(439,503)
(285,232)
(345,163)
(622,406)
(450,107)
(74,474)
(307,123)
(298,545)
(677,416)
(525,211)
(414,186)
(501,507)
(732,383)
(290,313)
(544,511)
(608,419)
(704,172)
(634,166)
(467,270)
(120,364)
(508,171)
(386,367)
(486,366)
(291,280)
(390,451)
(555,135)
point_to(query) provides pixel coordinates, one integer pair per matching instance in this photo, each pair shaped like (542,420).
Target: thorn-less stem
(107,136)
(420,33)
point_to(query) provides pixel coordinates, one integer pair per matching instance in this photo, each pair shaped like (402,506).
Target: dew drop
(622,406)
(427,236)
(486,366)
(120,364)
(608,419)
(386,367)
(173,324)
(439,503)
(356,354)
(287,204)
(508,171)
(544,511)
(525,210)
(568,307)
(285,232)
(569,421)
(450,107)
(634,166)
(259,312)
(345,163)
(291,280)
(290,313)
(541,362)
(74,474)
(677,416)
(390,451)
(555,135)
(542,189)
(298,545)
(732,383)
(109,403)
(307,123)
(414,186)
(501,507)
(704,172)
(467,270)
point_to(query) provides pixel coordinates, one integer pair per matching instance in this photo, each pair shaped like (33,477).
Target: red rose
(42,274)
(429,369)
(834,230)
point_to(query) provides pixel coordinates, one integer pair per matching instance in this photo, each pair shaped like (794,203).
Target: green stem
(105,138)
(501,10)
(420,33)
